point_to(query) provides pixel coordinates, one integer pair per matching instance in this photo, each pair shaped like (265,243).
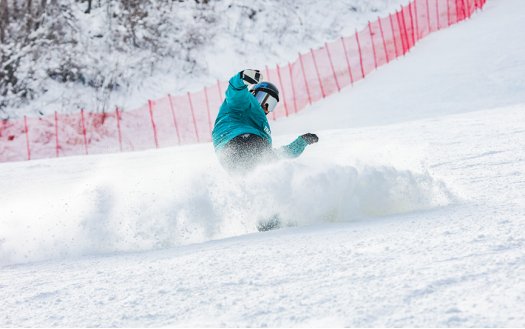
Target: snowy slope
(409,212)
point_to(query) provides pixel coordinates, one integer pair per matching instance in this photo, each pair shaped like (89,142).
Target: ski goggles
(265,98)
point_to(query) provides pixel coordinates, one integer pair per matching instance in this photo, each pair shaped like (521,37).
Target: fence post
(153,125)
(373,44)
(193,117)
(410,13)
(317,72)
(438,13)
(267,73)
(26,128)
(84,130)
(208,107)
(57,147)
(448,11)
(415,19)
(405,33)
(467,9)
(393,34)
(400,27)
(282,89)
(332,66)
(305,81)
(294,94)
(360,54)
(383,38)
(456,10)
(174,117)
(348,66)
(117,113)
(428,16)
(219,89)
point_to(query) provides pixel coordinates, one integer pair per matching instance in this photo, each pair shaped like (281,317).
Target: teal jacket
(240,113)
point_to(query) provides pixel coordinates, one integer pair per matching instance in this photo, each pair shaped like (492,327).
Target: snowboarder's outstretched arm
(296,148)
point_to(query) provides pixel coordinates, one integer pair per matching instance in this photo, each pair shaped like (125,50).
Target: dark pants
(245,152)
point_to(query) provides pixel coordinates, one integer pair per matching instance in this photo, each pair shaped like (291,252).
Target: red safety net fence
(188,118)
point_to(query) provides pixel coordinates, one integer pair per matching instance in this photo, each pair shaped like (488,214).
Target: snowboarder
(241,135)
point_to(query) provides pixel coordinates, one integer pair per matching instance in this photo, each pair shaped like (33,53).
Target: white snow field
(409,212)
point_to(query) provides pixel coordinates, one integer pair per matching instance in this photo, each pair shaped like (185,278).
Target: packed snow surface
(410,211)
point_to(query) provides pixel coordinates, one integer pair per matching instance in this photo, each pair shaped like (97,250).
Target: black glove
(310,138)
(251,77)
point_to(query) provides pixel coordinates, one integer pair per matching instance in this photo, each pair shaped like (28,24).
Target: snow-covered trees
(62,55)
(101,45)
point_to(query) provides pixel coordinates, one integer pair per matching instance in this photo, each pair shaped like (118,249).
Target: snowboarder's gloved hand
(310,138)
(251,77)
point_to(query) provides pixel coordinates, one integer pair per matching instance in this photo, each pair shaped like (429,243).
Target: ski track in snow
(165,238)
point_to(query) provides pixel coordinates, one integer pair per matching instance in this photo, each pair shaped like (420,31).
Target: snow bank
(126,210)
